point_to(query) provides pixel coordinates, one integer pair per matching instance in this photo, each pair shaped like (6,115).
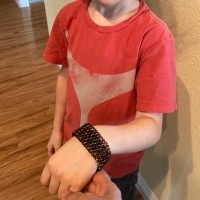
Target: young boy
(118,74)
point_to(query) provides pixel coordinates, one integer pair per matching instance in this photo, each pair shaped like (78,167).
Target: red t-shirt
(113,71)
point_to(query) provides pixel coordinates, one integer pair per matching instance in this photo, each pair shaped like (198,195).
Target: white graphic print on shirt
(94,89)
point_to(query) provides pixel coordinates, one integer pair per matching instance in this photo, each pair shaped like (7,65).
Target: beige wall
(172,168)
(52,7)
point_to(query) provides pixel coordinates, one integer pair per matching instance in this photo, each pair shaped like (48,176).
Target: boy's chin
(106,2)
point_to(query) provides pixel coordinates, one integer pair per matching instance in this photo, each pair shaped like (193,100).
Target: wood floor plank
(27,95)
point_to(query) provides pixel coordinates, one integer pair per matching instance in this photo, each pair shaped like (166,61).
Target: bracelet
(92,140)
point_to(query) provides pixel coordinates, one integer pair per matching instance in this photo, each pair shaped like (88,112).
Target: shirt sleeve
(56,48)
(156,74)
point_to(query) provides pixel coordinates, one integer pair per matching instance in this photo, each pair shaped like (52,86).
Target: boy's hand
(55,142)
(69,169)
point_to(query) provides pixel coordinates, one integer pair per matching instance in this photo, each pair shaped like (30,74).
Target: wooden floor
(27,95)
(27,86)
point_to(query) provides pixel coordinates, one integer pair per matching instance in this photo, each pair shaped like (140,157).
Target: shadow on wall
(167,165)
(167,161)
(181,163)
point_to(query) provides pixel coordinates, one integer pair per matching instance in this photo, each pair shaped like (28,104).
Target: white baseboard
(144,189)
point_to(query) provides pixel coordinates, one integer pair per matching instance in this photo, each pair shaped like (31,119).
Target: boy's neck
(111,9)
(112,12)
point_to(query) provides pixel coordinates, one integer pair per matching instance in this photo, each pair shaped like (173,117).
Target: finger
(75,188)
(45,176)
(77,185)
(53,185)
(91,187)
(63,190)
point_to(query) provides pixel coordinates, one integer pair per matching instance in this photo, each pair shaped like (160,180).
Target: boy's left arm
(72,166)
(137,135)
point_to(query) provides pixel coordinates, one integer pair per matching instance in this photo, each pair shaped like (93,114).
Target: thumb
(101,177)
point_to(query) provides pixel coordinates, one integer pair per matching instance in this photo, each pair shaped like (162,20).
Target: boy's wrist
(94,143)
(57,129)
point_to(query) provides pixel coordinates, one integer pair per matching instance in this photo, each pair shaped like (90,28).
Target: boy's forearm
(139,134)
(61,88)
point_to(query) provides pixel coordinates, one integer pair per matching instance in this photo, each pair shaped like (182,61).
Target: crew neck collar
(115,27)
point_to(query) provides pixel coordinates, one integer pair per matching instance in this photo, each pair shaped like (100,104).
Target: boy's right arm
(56,139)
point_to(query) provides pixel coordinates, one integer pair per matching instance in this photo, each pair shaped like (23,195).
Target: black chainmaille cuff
(92,140)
